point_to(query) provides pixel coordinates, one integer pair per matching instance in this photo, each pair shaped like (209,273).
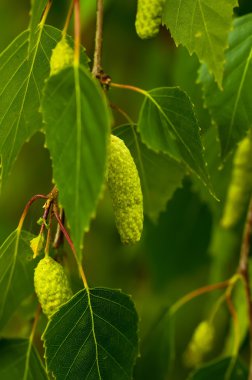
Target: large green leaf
(167,124)
(18,361)
(202,26)
(159,174)
(16,273)
(37,7)
(231,108)
(93,337)
(77,131)
(22,80)
(218,369)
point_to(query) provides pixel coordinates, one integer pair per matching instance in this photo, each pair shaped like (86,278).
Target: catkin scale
(148,17)
(240,188)
(51,285)
(62,57)
(125,190)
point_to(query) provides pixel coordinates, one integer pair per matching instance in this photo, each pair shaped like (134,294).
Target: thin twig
(59,236)
(77,32)
(198,292)
(122,112)
(26,209)
(243,269)
(70,242)
(98,39)
(68,19)
(45,13)
(129,87)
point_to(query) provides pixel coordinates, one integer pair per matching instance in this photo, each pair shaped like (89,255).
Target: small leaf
(93,336)
(16,273)
(77,131)
(231,108)
(167,124)
(219,369)
(202,27)
(17,362)
(159,174)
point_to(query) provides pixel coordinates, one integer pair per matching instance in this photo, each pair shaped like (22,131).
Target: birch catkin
(148,17)
(125,189)
(51,285)
(240,188)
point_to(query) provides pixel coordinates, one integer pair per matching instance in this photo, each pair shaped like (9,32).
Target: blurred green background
(182,251)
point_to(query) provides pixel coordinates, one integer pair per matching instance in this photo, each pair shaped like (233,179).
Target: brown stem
(68,18)
(46,11)
(47,207)
(77,32)
(198,292)
(49,232)
(59,236)
(98,39)
(122,112)
(243,269)
(69,240)
(26,209)
(129,87)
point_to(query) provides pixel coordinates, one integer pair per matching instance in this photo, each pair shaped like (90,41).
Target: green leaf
(217,370)
(17,361)
(37,7)
(77,131)
(159,174)
(93,336)
(202,27)
(167,124)
(20,92)
(16,273)
(231,108)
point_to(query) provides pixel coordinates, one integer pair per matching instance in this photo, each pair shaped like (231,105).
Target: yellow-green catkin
(200,344)
(148,17)
(125,190)
(51,285)
(240,188)
(62,57)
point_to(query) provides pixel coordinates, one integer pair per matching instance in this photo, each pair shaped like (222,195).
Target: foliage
(180,139)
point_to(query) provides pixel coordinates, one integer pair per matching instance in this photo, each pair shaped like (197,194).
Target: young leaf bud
(62,57)
(240,188)
(125,189)
(51,285)
(148,17)
(37,245)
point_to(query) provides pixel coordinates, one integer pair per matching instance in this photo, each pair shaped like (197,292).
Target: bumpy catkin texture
(125,189)
(148,17)
(240,188)
(62,56)
(51,285)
